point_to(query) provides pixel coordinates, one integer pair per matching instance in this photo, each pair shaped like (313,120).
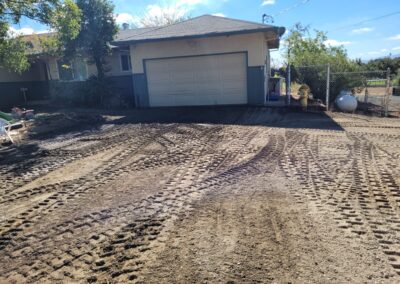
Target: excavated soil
(231,195)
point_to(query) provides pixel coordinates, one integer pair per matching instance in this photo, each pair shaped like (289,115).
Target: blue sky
(339,17)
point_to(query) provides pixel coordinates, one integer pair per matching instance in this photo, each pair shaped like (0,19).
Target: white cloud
(158,11)
(396,48)
(333,42)
(21,31)
(126,18)
(362,30)
(268,2)
(171,9)
(191,2)
(377,52)
(395,37)
(25,31)
(219,15)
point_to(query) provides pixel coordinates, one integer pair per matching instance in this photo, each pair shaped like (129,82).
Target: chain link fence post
(288,87)
(366,99)
(387,95)
(328,74)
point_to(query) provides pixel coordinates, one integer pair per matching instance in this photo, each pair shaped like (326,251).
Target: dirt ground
(205,195)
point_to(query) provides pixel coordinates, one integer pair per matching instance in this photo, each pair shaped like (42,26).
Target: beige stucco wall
(35,73)
(114,63)
(254,44)
(113,66)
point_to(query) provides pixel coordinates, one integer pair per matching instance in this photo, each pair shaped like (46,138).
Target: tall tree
(97,31)
(302,49)
(305,50)
(60,16)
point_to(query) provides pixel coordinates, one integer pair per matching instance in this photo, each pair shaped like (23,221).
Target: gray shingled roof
(206,25)
(129,33)
(202,26)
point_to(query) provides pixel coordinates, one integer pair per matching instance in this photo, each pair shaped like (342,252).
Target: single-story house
(207,60)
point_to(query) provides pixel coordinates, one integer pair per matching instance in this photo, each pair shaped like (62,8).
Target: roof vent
(125,26)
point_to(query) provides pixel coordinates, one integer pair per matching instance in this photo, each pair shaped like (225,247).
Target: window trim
(129,62)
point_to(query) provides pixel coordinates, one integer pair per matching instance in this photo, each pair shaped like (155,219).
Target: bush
(97,92)
(90,93)
(67,93)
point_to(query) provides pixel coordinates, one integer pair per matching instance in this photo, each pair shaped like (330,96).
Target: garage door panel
(202,80)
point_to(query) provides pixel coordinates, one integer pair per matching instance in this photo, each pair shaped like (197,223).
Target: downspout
(266,93)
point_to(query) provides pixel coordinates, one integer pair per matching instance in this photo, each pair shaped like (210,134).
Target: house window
(74,70)
(126,62)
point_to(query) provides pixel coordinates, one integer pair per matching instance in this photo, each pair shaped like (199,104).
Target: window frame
(129,62)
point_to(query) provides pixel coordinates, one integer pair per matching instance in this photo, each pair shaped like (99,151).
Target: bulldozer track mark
(174,199)
(358,188)
(346,174)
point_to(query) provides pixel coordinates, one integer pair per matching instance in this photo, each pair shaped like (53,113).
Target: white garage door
(200,80)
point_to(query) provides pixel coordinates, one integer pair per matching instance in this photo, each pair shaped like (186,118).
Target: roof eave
(266,29)
(274,43)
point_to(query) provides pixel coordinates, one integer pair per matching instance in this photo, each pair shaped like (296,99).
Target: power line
(291,7)
(366,21)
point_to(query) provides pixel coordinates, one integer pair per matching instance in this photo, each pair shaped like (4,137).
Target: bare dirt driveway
(207,195)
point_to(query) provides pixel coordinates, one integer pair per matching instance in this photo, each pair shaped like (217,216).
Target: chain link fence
(315,76)
(372,89)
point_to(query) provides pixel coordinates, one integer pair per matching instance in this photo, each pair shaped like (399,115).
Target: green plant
(306,50)
(61,16)
(396,79)
(97,31)
(97,91)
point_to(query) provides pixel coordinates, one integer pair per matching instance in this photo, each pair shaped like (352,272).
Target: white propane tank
(346,102)
(342,93)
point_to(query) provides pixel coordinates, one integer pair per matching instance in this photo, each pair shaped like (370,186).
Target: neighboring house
(207,60)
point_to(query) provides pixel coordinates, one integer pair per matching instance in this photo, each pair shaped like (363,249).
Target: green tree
(305,50)
(97,31)
(60,16)
(302,49)
(393,64)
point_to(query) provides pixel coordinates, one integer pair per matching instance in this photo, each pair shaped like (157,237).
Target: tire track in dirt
(129,209)
(125,259)
(377,203)
(66,192)
(360,191)
(182,196)
(16,177)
